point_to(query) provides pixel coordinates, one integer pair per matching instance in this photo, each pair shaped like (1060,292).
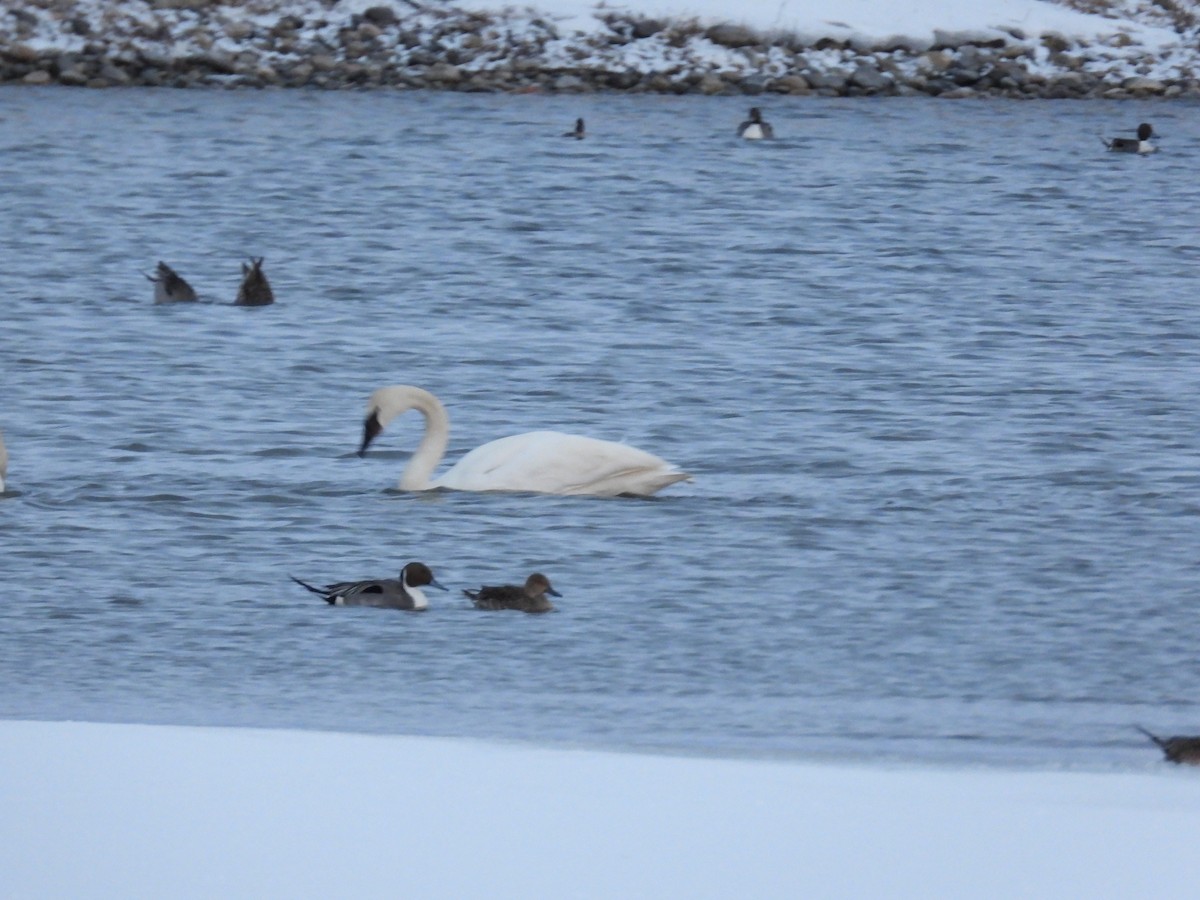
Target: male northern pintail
(3,462)
(529,597)
(754,128)
(388,593)
(255,289)
(1130,145)
(1177,749)
(577,132)
(169,286)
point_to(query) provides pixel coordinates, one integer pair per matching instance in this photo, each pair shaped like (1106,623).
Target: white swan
(546,462)
(3,462)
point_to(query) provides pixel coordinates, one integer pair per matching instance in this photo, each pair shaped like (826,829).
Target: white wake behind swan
(546,462)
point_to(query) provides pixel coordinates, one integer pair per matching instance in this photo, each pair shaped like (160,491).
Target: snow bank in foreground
(140,811)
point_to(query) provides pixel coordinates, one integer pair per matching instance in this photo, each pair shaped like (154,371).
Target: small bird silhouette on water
(169,286)
(1140,144)
(255,289)
(1177,749)
(577,132)
(754,128)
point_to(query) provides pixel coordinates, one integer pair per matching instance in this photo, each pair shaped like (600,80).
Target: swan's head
(388,402)
(417,574)
(538,584)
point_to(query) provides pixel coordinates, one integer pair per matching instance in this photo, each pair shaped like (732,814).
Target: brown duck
(529,597)
(1177,749)
(255,289)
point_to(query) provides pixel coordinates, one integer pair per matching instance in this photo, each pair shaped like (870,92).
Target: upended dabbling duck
(255,290)
(170,287)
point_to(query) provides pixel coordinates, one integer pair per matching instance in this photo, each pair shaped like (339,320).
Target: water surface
(933,365)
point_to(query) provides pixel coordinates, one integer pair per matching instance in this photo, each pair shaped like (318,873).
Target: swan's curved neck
(419,471)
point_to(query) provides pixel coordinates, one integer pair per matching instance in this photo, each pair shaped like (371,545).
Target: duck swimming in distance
(754,128)
(1177,749)
(385,593)
(1130,145)
(544,462)
(169,287)
(529,597)
(577,132)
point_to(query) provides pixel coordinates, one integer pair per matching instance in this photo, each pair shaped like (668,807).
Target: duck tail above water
(307,586)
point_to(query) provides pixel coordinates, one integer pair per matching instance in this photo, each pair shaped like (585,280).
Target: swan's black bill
(371,429)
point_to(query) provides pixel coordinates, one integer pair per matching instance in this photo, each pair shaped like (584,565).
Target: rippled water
(933,365)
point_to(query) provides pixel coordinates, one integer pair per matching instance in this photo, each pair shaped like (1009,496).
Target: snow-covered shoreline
(96,810)
(1011,48)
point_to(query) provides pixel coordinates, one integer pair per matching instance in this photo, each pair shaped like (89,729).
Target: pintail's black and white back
(1177,749)
(386,593)
(754,128)
(577,132)
(1140,144)
(529,597)
(255,290)
(169,286)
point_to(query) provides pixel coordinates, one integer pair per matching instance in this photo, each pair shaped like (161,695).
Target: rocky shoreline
(406,44)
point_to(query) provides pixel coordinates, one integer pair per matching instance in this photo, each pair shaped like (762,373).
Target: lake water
(934,366)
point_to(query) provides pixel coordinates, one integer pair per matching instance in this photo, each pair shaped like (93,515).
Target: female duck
(1129,145)
(386,593)
(255,290)
(754,128)
(545,462)
(529,597)
(1177,749)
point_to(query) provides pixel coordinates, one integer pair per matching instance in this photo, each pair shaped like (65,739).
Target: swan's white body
(546,462)
(3,462)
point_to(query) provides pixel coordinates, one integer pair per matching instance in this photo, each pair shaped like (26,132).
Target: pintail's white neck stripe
(419,600)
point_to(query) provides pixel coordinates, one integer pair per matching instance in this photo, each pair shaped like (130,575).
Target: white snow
(1134,37)
(130,811)
(871,18)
